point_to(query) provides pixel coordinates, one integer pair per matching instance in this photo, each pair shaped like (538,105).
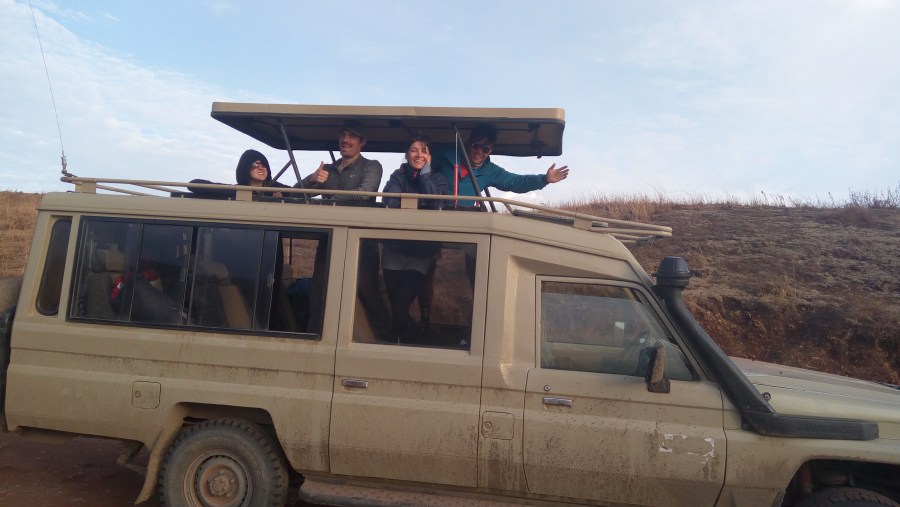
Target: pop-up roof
(531,132)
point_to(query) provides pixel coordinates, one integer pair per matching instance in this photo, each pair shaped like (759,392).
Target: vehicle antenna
(52,98)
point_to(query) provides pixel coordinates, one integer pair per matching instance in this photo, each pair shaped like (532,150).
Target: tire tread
(847,497)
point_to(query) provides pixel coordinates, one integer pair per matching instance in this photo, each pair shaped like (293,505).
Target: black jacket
(241,177)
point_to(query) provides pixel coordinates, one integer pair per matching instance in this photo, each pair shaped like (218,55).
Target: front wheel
(224,463)
(847,497)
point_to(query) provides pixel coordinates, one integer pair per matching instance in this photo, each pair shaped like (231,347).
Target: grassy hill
(809,286)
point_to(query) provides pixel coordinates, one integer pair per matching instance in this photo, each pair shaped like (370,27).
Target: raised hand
(321,175)
(555,175)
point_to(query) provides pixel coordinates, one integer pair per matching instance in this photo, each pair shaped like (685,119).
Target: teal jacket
(488,175)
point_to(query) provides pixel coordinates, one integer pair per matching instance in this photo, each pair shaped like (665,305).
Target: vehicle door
(592,429)
(409,357)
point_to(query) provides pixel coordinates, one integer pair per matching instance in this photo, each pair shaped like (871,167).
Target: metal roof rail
(623,230)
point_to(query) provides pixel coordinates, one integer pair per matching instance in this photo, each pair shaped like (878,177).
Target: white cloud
(797,97)
(117,119)
(61,12)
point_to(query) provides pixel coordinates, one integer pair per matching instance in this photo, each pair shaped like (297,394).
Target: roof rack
(623,230)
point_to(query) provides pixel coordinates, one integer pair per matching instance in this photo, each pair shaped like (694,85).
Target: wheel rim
(220,481)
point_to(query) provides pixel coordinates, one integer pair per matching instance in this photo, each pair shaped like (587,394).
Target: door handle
(349,382)
(560,402)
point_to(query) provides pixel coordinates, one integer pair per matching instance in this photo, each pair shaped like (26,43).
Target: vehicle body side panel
(99,366)
(761,466)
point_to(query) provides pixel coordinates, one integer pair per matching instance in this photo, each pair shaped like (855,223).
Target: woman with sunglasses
(252,170)
(488,174)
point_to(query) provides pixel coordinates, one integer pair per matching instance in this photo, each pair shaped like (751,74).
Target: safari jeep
(246,343)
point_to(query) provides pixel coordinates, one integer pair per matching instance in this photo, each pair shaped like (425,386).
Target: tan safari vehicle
(247,343)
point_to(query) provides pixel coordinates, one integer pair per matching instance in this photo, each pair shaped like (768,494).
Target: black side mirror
(656,373)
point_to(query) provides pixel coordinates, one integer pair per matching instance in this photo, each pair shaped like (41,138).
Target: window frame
(50,266)
(78,265)
(479,295)
(643,297)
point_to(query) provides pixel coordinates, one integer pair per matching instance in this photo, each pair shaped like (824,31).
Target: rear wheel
(847,497)
(224,463)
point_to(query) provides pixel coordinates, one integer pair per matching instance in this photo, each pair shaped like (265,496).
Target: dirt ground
(81,472)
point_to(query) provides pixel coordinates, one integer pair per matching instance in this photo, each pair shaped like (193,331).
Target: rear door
(592,430)
(409,357)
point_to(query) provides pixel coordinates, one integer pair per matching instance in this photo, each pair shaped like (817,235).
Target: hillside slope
(815,288)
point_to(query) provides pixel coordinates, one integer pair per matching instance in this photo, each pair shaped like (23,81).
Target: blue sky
(798,98)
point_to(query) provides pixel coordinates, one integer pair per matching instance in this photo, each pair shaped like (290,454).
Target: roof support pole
(287,145)
(462,148)
(283,169)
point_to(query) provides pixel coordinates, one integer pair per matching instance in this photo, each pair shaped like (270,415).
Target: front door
(592,430)
(408,366)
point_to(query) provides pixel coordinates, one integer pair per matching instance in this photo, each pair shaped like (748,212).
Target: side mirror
(656,373)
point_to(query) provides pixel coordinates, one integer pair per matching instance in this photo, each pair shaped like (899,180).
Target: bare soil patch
(81,472)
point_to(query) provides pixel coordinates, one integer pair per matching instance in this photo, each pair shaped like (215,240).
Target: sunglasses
(484,148)
(257,165)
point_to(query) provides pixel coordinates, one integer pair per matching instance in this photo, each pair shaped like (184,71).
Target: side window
(132,272)
(260,280)
(51,279)
(159,283)
(601,329)
(298,293)
(107,256)
(227,270)
(217,277)
(416,293)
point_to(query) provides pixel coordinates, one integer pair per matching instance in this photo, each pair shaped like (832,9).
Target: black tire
(6,321)
(224,463)
(847,497)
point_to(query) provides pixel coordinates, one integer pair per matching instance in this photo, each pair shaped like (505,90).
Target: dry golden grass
(19,212)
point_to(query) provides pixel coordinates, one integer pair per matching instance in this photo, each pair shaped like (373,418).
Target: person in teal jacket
(488,174)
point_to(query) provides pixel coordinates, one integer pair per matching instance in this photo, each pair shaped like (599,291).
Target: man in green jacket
(488,174)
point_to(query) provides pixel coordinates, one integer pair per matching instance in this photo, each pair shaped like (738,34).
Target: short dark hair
(483,131)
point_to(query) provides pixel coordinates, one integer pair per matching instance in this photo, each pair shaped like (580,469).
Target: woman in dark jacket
(408,266)
(252,170)
(415,176)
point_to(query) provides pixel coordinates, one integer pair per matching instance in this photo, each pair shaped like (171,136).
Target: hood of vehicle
(806,392)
